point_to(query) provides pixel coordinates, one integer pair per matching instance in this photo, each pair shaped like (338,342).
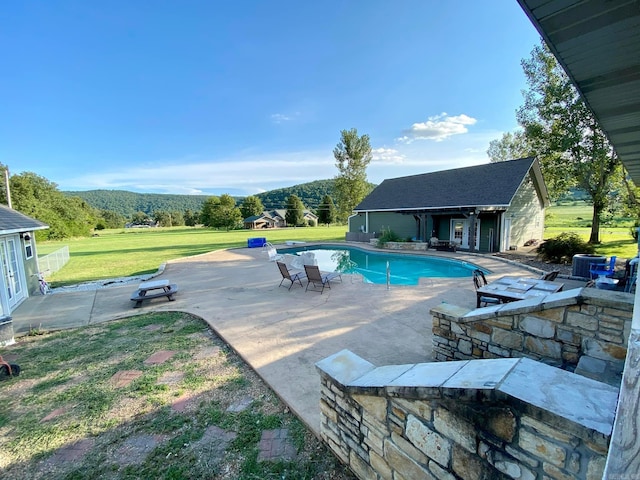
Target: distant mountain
(127,203)
(310,193)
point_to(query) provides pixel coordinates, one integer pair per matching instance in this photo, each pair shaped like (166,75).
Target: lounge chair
(318,278)
(550,276)
(291,275)
(271,252)
(597,269)
(479,280)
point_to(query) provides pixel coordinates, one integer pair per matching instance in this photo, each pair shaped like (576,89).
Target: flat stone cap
(578,399)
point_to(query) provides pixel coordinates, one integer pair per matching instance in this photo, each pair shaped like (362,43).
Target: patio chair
(597,269)
(318,278)
(479,280)
(550,276)
(291,275)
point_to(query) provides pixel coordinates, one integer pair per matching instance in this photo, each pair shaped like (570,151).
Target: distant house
(19,262)
(486,208)
(275,218)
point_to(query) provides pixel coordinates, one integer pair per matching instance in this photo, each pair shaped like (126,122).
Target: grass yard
(126,252)
(66,393)
(615,236)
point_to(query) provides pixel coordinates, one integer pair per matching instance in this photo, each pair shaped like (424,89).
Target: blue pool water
(404,269)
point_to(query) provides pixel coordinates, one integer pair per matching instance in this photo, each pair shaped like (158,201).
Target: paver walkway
(282,334)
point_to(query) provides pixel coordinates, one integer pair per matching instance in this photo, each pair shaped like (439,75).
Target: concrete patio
(280,333)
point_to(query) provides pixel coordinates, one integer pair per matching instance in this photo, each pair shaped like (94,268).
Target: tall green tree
(39,198)
(162,218)
(191,218)
(111,219)
(251,206)
(562,132)
(295,211)
(327,211)
(221,212)
(140,218)
(353,155)
(511,146)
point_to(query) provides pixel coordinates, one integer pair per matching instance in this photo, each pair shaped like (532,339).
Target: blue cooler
(257,242)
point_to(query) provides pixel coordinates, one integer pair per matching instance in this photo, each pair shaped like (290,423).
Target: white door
(461,232)
(12,275)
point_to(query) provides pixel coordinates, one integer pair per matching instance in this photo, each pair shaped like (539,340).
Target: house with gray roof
(485,208)
(276,219)
(18,259)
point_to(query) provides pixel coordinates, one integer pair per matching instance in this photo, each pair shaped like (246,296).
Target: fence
(54,261)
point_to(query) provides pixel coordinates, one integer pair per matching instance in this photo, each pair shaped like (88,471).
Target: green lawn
(615,236)
(126,252)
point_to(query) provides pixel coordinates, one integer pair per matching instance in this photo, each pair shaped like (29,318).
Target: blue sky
(240,97)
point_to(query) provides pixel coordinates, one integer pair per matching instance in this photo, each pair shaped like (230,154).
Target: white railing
(54,261)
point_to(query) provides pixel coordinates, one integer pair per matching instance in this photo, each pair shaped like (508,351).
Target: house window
(28,246)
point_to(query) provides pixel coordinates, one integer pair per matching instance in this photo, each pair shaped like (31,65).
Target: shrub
(634,230)
(562,248)
(388,236)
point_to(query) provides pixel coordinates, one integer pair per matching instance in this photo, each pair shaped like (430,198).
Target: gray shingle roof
(493,184)
(12,221)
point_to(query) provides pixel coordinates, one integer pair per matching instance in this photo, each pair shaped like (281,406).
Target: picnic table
(512,289)
(154,289)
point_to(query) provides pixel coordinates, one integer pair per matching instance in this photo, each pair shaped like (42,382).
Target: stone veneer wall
(414,246)
(583,330)
(472,420)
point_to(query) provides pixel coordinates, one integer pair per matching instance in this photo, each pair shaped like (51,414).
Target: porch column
(472,234)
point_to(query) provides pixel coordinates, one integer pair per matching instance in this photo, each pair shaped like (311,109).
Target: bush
(634,230)
(388,236)
(562,248)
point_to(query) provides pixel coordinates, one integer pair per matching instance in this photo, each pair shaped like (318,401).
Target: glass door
(10,264)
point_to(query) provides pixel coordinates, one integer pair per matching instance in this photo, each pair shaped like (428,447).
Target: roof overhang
(598,44)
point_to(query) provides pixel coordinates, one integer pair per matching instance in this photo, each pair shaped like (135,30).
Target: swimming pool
(404,269)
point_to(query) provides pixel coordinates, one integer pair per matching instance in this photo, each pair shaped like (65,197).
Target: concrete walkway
(280,333)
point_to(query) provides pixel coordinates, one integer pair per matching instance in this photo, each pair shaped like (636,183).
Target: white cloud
(437,128)
(280,118)
(387,155)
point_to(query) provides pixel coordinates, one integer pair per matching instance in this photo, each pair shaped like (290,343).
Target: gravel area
(529,257)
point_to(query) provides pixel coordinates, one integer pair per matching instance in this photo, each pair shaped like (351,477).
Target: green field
(126,252)
(615,235)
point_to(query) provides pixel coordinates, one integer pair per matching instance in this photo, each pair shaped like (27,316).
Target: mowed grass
(66,393)
(127,252)
(615,235)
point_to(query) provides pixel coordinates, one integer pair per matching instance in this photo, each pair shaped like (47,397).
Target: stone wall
(414,246)
(584,331)
(471,420)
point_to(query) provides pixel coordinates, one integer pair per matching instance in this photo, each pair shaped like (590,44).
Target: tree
(295,211)
(162,218)
(39,198)
(327,211)
(511,146)
(221,212)
(177,218)
(572,148)
(140,218)
(353,155)
(112,219)
(190,218)
(251,206)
